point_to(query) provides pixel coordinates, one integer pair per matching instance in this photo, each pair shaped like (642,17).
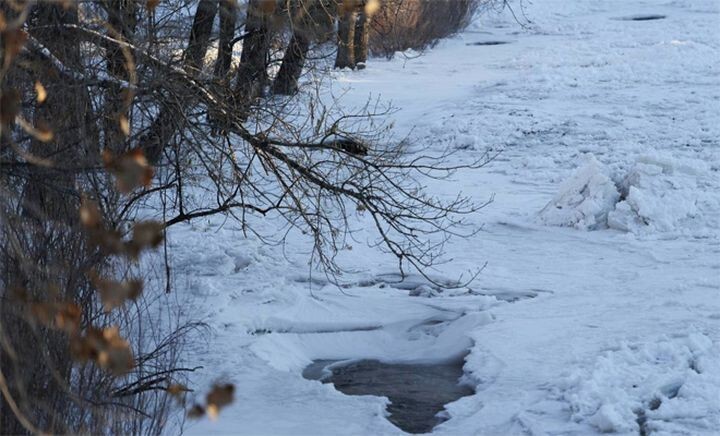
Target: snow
(602,315)
(585,200)
(661,196)
(657,195)
(672,383)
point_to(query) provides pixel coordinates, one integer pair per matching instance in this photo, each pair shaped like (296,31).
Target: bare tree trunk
(286,82)
(164,127)
(362,35)
(122,19)
(346,38)
(200,33)
(228,19)
(252,75)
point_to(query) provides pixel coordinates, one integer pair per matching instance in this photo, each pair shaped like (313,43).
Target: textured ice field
(604,233)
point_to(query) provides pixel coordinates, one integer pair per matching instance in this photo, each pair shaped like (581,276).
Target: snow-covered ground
(605,229)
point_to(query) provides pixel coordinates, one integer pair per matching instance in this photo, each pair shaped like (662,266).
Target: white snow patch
(659,382)
(401,342)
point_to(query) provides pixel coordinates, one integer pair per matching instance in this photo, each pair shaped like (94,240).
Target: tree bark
(346,39)
(252,73)
(286,82)
(200,33)
(362,35)
(228,19)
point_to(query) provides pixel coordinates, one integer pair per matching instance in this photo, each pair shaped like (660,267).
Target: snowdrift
(667,386)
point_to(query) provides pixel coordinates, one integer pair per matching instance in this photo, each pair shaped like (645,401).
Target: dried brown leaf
(106,348)
(10,106)
(219,397)
(130,169)
(60,316)
(372,6)
(115,293)
(109,240)
(267,7)
(91,218)
(176,389)
(40,92)
(42,131)
(13,41)
(347,6)
(124,125)
(90,215)
(213,411)
(126,95)
(148,234)
(197,411)
(151,5)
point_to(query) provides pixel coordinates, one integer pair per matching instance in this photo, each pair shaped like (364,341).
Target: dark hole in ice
(488,43)
(417,392)
(650,17)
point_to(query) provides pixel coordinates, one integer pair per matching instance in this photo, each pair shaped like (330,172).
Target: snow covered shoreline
(622,333)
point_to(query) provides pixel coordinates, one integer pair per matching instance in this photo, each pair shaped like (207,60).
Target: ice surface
(614,121)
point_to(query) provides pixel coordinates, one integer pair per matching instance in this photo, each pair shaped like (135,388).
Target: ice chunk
(584,200)
(656,198)
(607,419)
